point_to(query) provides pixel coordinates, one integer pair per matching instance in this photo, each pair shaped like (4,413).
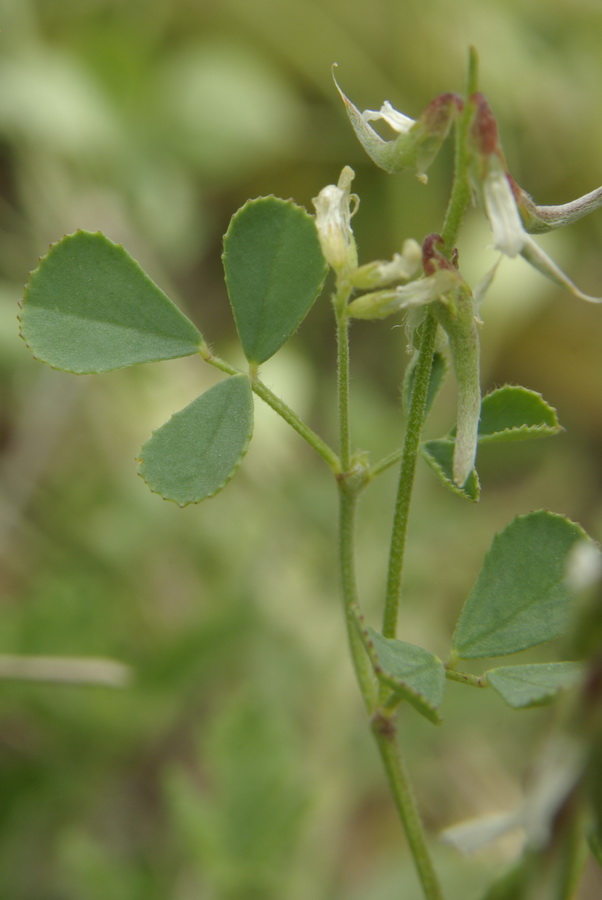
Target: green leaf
(520,598)
(513,413)
(438,373)
(89,307)
(412,672)
(533,685)
(440,457)
(196,453)
(507,414)
(274,271)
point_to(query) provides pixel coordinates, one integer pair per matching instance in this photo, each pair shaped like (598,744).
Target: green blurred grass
(238,765)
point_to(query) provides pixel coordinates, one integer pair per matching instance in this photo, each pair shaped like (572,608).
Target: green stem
(383,727)
(460,194)
(385,734)
(280,407)
(466,678)
(458,203)
(361,664)
(348,494)
(411,445)
(343,390)
(308,435)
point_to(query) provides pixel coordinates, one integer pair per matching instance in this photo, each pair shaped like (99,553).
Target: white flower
(396,120)
(381,273)
(380,304)
(509,234)
(334,210)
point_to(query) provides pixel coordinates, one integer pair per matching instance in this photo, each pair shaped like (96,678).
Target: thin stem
(348,494)
(458,203)
(280,407)
(361,664)
(411,445)
(385,735)
(466,678)
(386,463)
(460,193)
(343,390)
(308,435)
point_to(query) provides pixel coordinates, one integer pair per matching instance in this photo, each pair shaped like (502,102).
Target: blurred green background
(238,766)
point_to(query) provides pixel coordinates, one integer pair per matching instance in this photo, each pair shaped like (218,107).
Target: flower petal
(380,304)
(396,120)
(509,236)
(334,210)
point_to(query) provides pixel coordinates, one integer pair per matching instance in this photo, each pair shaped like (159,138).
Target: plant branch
(385,734)
(411,445)
(280,407)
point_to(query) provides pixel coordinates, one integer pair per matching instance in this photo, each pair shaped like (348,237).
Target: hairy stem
(385,735)
(411,445)
(280,407)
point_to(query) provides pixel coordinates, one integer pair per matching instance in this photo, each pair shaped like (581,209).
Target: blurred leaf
(196,453)
(54,103)
(513,413)
(533,685)
(438,373)
(274,271)
(89,307)
(226,109)
(239,822)
(440,457)
(414,674)
(520,598)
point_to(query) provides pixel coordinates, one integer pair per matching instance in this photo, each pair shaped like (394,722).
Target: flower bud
(334,210)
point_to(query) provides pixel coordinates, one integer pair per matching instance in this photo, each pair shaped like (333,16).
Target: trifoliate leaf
(89,307)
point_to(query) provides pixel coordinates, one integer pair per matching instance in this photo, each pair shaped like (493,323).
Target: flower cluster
(403,284)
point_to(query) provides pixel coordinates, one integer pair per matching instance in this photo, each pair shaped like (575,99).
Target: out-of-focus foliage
(236,767)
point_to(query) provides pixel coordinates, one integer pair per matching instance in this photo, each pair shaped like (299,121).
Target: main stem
(458,202)
(383,726)
(385,733)
(349,487)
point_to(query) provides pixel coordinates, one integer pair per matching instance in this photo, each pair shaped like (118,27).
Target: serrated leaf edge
(438,469)
(140,460)
(535,512)
(41,261)
(409,692)
(545,698)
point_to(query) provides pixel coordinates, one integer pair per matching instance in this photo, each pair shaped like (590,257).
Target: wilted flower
(509,236)
(454,307)
(334,210)
(381,273)
(418,140)
(380,304)
(508,207)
